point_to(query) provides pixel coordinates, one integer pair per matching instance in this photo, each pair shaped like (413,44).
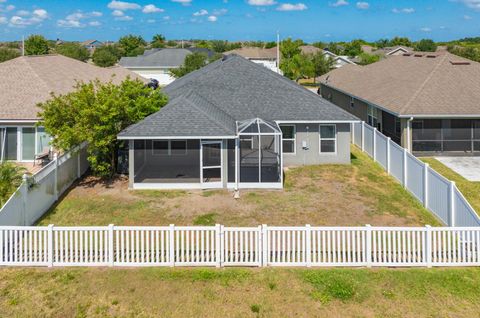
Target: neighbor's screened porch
(251,160)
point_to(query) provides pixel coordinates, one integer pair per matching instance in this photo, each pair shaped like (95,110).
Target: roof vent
(418,55)
(431,56)
(460,62)
(407,54)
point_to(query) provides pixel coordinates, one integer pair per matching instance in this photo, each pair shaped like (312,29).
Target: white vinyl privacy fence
(236,246)
(438,194)
(39,192)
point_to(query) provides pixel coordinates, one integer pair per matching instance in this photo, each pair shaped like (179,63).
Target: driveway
(467,167)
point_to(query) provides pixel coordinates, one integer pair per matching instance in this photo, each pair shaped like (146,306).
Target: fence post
(425,185)
(218,245)
(389,140)
(111,254)
(55,173)
(171,249)
(308,243)
(451,203)
(24,191)
(404,167)
(50,245)
(352,127)
(368,247)
(264,247)
(363,136)
(374,144)
(428,246)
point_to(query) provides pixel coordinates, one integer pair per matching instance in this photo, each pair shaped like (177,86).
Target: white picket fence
(38,193)
(438,194)
(221,246)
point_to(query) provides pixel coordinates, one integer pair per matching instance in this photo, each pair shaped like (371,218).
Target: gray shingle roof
(208,102)
(161,58)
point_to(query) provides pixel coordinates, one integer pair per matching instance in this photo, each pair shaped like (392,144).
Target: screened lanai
(259,152)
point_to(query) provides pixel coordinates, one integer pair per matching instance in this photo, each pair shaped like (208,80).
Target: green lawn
(356,194)
(471,190)
(165,292)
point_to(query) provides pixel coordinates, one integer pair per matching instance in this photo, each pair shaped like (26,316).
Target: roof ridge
(34,72)
(422,86)
(192,93)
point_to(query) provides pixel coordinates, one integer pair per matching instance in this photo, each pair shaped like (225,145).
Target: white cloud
(212,18)
(220,12)
(151,8)
(23,13)
(124,18)
(183,2)
(74,20)
(472,4)
(118,13)
(10,7)
(261,2)
(200,13)
(292,7)
(467,17)
(363,5)
(3,20)
(403,10)
(35,17)
(339,3)
(426,29)
(121,5)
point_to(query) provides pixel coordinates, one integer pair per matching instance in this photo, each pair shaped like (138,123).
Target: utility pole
(278,52)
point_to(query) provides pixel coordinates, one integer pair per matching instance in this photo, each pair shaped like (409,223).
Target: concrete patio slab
(468,167)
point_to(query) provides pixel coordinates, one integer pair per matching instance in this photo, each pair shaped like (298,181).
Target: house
(262,56)
(157,63)
(338,60)
(427,102)
(91,45)
(393,51)
(234,124)
(310,49)
(28,80)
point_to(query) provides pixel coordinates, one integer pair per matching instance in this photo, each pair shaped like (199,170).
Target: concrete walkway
(468,167)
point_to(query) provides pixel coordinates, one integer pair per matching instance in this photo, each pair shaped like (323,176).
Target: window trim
(352,102)
(169,148)
(372,112)
(294,139)
(335,139)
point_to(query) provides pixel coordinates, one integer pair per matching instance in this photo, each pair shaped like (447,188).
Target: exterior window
(169,147)
(352,102)
(10,145)
(246,142)
(288,135)
(28,143)
(43,141)
(328,139)
(372,116)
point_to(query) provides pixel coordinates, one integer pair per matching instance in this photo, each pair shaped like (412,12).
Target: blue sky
(311,20)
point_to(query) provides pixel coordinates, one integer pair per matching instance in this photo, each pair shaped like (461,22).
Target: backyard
(356,194)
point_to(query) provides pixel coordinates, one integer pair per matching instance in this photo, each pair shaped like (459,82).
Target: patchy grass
(165,292)
(356,194)
(471,190)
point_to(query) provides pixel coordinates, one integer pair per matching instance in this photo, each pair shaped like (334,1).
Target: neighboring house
(234,124)
(157,63)
(91,45)
(367,48)
(393,51)
(265,57)
(28,80)
(338,60)
(427,102)
(309,49)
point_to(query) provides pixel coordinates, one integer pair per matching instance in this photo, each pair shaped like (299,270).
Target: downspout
(409,141)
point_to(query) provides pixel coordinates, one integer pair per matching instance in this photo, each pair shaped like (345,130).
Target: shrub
(10,180)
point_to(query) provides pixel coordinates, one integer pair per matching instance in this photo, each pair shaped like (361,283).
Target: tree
(132,45)
(297,67)
(426,45)
(192,63)
(36,45)
(401,41)
(97,112)
(270,45)
(353,48)
(290,48)
(334,48)
(10,180)
(219,46)
(321,64)
(73,50)
(382,43)
(172,43)
(8,54)
(106,56)
(366,58)
(158,41)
